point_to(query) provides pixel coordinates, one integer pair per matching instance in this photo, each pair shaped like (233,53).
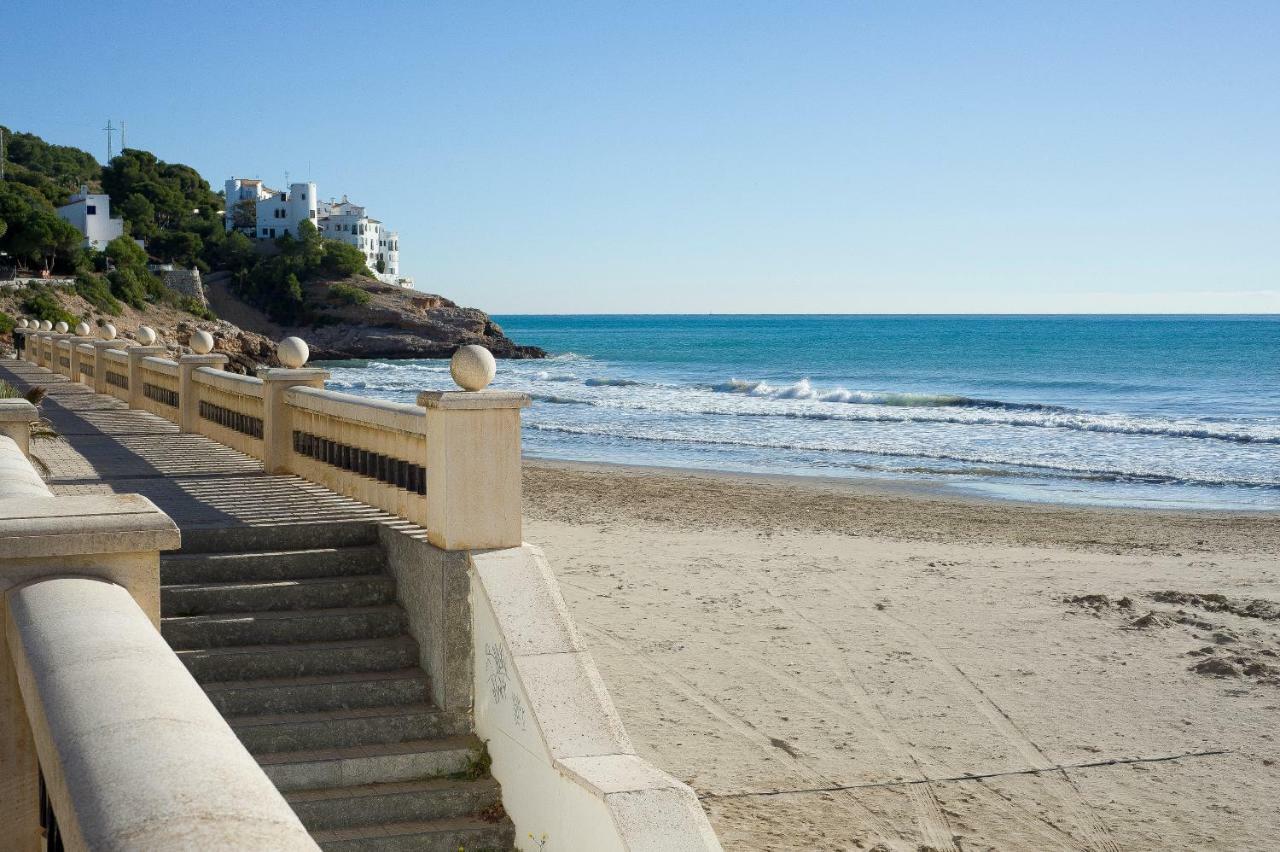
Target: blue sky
(727,157)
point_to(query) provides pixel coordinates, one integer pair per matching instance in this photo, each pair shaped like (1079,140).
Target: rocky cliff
(384,322)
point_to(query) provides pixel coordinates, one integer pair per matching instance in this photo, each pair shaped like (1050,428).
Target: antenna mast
(110,130)
(1,153)
(122,145)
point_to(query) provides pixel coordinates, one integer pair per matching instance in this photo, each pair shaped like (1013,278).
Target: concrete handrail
(372,450)
(116,355)
(228,382)
(163,366)
(133,753)
(396,416)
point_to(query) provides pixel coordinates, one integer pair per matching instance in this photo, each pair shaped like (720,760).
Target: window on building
(90,209)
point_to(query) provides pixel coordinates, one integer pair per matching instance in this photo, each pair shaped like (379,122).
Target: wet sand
(842,665)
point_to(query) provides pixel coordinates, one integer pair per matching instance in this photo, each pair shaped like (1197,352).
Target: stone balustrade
(159,380)
(108,742)
(113,365)
(371,450)
(450,463)
(228,408)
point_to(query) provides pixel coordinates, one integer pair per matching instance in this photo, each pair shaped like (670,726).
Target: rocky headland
(390,322)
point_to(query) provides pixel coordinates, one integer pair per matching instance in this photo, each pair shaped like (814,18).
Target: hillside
(306,285)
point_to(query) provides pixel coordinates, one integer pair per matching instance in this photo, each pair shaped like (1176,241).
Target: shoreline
(882,486)
(573,491)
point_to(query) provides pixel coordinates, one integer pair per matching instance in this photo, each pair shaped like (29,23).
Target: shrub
(96,290)
(7,323)
(44,305)
(349,294)
(192,306)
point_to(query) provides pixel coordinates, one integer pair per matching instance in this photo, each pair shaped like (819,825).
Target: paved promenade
(106,447)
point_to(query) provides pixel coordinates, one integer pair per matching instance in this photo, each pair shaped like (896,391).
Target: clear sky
(701,156)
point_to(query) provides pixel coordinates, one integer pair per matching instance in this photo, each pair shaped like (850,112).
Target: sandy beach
(836,665)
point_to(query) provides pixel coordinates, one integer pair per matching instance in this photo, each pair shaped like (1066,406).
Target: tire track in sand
(745,730)
(1080,812)
(1050,832)
(930,819)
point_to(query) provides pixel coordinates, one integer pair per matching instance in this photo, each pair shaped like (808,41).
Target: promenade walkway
(106,447)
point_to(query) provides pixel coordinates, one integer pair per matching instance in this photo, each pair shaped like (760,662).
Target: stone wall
(185,281)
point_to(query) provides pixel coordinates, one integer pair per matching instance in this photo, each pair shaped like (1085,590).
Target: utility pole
(1,153)
(122,145)
(110,130)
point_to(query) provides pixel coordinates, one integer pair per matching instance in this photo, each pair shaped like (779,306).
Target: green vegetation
(41,303)
(7,323)
(348,294)
(172,208)
(34,396)
(274,284)
(96,290)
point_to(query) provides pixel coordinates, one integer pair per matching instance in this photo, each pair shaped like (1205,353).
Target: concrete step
(277,595)
(380,804)
(300,536)
(414,760)
(275,695)
(185,568)
(219,630)
(342,728)
(451,835)
(246,662)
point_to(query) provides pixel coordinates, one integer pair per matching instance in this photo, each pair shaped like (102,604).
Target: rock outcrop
(386,322)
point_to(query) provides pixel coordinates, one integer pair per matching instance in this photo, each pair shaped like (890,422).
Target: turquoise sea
(1179,412)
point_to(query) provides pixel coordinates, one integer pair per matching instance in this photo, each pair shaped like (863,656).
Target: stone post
(16,417)
(100,362)
(277,426)
(36,345)
(21,339)
(75,356)
(473,468)
(188,398)
(136,354)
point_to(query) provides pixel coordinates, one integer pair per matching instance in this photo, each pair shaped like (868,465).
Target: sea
(1145,411)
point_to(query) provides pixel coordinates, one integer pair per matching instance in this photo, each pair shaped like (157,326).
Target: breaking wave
(804,390)
(1075,471)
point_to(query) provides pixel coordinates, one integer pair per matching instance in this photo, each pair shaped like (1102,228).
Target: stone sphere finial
(45,325)
(82,329)
(473,367)
(107,332)
(22,322)
(201,342)
(293,352)
(61,327)
(146,335)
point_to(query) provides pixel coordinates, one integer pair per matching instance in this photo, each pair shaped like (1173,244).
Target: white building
(91,214)
(279,212)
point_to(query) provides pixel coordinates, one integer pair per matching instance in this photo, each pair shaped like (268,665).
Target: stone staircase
(296,637)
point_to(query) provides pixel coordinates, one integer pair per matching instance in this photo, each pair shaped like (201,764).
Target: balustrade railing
(115,367)
(372,450)
(160,387)
(450,463)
